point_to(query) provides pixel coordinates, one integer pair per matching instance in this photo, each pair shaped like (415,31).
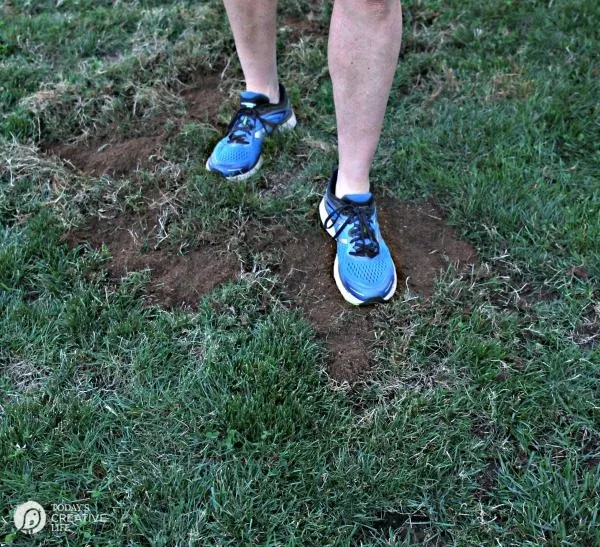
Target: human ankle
(351,185)
(271,91)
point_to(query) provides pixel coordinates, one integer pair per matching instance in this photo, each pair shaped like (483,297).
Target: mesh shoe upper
(366,268)
(239,151)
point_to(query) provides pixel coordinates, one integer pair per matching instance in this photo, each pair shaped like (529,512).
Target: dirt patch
(307,269)
(203,99)
(307,26)
(101,157)
(304,22)
(112,153)
(176,280)
(422,245)
(421,241)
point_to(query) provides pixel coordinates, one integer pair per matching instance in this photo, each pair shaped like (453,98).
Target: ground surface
(174,351)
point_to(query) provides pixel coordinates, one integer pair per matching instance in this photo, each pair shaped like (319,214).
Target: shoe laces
(243,124)
(362,234)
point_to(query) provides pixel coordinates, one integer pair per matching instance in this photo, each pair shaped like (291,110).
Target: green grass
(479,424)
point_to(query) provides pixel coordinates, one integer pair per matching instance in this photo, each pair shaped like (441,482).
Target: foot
(363,270)
(238,155)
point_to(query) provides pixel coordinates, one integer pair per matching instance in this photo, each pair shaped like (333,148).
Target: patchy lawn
(175,356)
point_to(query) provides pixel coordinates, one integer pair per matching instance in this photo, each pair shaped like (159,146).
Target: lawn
(177,366)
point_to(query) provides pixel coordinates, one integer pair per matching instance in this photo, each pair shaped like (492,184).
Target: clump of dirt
(176,280)
(421,243)
(112,153)
(307,271)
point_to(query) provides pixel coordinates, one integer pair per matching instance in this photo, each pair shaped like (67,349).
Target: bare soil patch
(422,245)
(112,153)
(421,242)
(204,98)
(307,22)
(303,27)
(101,157)
(176,280)
(307,272)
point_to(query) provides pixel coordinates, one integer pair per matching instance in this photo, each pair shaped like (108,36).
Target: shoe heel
(289,124)
(323,216)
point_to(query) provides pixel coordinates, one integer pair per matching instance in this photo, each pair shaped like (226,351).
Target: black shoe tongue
(249,99)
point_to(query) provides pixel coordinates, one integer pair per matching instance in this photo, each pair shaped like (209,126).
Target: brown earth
(110,158)
(113,154)
(203,99)
(421,242)
(176,280)
(422,245)
(110,153)
(306,269)
(303,27)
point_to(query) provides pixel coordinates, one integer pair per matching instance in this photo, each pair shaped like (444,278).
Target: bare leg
(254,27)
(364,44)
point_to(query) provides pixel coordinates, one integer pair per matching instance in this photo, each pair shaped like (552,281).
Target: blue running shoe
(238,155)
(363,270)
